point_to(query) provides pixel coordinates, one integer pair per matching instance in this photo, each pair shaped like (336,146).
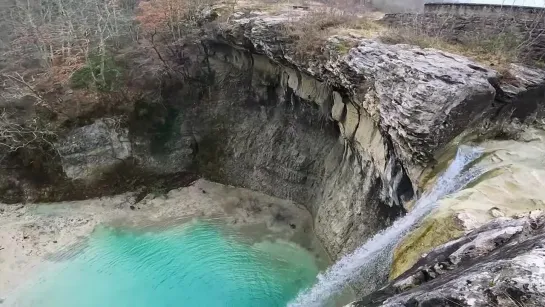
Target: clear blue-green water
(199,264)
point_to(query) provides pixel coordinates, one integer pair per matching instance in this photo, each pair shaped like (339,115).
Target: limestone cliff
(348,134)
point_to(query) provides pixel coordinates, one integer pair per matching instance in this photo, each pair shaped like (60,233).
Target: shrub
(99,73)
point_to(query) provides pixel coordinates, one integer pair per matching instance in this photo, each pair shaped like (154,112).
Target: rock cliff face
(347,134)
(499,264)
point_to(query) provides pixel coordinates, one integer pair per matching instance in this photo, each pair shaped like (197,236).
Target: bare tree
(70,31)
(20,128)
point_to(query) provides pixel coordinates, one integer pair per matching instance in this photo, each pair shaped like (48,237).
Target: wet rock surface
(502,263)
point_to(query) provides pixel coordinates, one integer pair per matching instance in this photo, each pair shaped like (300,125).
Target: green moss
(434,231)
(343,46)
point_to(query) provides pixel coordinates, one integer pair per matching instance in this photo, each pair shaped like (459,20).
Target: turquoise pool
(197,264)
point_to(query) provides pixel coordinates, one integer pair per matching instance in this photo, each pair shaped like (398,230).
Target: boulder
(88,150)
(502,263)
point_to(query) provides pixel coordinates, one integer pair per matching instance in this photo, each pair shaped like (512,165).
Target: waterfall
(379,248)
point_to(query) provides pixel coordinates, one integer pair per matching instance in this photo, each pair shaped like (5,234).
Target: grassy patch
(490,50)
(343,47)
(311,32)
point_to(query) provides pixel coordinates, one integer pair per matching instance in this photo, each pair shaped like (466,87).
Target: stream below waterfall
(374,257)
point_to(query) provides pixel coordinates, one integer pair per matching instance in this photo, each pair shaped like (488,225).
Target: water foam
(378,249)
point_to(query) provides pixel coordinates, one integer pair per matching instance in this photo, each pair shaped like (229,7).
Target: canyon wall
(348,131)
(350,126)
(347,135)
(266,127)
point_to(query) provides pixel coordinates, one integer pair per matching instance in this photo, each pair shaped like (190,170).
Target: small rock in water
(132,207)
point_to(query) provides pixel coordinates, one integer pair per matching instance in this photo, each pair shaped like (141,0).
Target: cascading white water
(350,267)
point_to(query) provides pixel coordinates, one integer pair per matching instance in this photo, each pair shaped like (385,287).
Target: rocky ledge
(417,99)
(501,263)
(401,107)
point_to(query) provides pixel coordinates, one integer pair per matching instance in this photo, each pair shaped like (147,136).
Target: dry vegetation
(68,58)
(64,63)
(311,32)
(490,49)
(497,50)
(64,60)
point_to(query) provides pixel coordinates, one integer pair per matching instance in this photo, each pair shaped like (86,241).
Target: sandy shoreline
(31,235)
